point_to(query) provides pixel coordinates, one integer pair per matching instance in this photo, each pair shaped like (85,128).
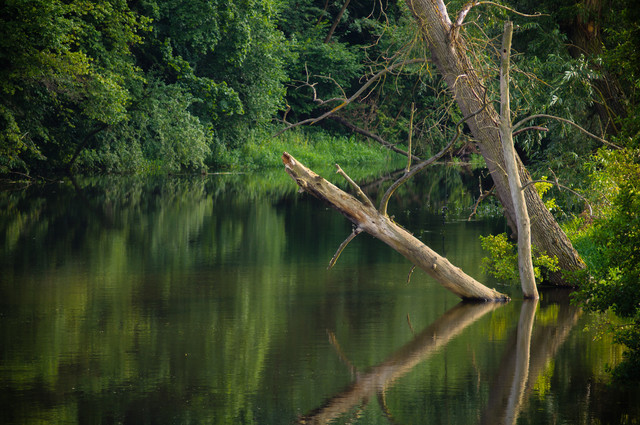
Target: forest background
(174,86)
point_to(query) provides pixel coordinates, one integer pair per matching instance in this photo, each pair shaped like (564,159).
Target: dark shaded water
(174,301)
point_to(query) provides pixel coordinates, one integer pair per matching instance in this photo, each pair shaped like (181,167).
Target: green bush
(611,249)
(502,262)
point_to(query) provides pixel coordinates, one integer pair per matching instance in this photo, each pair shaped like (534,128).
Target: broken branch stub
(366,218)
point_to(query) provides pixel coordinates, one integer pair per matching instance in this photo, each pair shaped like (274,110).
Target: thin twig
(410,273)
(482,197)
(355,186)
(342,246)
(413,110)
(419,167)
(600,139)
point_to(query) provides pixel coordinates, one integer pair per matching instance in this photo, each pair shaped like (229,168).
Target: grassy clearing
(314,148)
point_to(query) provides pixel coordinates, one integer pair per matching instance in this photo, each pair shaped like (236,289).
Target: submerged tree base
(367,218)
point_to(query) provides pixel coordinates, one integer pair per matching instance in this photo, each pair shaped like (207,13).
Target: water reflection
(526,356)
(373,384)
(207,300)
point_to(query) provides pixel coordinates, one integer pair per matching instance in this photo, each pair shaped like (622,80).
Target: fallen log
(367,218)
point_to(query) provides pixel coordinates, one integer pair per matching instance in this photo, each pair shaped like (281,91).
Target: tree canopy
(124,86)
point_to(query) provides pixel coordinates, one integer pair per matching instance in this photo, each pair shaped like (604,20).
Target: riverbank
(314,147)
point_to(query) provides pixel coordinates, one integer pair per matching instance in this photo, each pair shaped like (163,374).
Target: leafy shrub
(502,262)
(613,251)
(542,189)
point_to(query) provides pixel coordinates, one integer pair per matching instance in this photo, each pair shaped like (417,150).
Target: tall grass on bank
(314,148)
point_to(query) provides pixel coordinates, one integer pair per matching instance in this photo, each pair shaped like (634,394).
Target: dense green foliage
(169,85)
(611,247)
(113,87)
(502,262)
(64,71)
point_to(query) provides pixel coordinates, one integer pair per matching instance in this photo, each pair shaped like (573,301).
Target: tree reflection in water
(528,352)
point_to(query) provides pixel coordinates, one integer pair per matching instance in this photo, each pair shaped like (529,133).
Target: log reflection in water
(529,351)
(378,378)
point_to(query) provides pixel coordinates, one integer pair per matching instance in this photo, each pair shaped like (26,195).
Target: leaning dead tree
(365,217)
(375,221)
(451,58)
(525,261)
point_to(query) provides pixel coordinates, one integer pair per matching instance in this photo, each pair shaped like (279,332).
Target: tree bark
(525,262)
(336,21)
(367,218)
(450,57)
(585,35)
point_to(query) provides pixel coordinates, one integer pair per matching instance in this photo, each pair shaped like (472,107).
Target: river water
(208,300)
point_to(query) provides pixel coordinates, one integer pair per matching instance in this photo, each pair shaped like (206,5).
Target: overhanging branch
(600,139)
(419,167)
(354,96)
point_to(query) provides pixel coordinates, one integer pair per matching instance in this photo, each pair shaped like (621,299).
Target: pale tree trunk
(525,262)
(449,54)
(367,218)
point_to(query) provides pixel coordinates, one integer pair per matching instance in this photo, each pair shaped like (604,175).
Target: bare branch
(336,21)
(467,7)
(600,139)
(312,86)
(463,13)
(342,246)
(355,186)
(533,127)
(483,195)
(326,6)
(354,96)
(419,167)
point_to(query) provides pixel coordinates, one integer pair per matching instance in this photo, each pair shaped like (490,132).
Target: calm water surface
(208,300)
